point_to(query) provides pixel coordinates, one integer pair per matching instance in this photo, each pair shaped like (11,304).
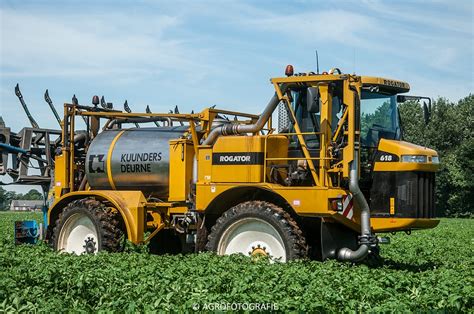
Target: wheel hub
(90,245)
(78,235)
(258,251)
(253,237)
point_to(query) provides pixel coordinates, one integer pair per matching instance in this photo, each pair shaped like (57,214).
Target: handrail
(299,158)
(265,159)
(296,133)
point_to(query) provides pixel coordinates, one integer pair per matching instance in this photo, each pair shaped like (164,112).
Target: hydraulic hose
(80,137)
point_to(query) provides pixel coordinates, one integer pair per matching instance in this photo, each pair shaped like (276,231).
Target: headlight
(414,158)
(435,159)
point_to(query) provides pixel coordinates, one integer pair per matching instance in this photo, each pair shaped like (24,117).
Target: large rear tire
(258,228)
(88,226)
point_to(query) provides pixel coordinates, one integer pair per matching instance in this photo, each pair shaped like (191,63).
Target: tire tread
(298,249)
(110,229)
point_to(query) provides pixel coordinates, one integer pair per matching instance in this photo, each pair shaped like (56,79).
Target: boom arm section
(31,152)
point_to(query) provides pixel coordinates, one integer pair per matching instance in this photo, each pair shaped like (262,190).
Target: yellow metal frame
(306,197)
(130,204)
(289,158)
(304,200)
(306,154)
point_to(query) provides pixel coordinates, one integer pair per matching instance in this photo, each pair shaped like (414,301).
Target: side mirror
(401,99)
(312,99)
(426,107)
(426,113)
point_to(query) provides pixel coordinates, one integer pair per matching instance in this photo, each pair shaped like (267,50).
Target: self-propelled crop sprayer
(332,175)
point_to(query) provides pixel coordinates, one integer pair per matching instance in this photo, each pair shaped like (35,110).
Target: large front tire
(88,226)
(258,228)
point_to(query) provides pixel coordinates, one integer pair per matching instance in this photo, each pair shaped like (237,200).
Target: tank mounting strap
(109,160)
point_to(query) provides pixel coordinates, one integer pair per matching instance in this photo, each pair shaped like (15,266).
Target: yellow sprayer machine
(322,182)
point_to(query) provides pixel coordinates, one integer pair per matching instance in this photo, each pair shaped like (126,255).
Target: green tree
(6,197)
(2,198)
(381,117)
(411,116)
(32,195)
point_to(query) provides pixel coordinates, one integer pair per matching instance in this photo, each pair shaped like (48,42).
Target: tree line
(450,131)
(7,196)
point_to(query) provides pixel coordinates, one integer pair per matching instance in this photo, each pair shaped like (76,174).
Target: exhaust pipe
(236,129)
(366,238)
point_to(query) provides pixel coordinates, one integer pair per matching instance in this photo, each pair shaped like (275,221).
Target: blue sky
(200,53)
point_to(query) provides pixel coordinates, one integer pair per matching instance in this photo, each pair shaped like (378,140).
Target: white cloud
(436,34)
(421,35)
(331,26)
(42,44)
(452,16)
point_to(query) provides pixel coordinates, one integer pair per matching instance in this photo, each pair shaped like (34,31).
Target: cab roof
(387,85)
(384,85)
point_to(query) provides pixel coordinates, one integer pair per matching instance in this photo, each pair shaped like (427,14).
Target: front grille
(413,193)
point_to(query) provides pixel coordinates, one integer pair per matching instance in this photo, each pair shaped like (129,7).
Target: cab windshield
(378,118)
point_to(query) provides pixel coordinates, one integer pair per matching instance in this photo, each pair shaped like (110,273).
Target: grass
(428,270)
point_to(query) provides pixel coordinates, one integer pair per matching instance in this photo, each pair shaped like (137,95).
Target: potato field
(428,270)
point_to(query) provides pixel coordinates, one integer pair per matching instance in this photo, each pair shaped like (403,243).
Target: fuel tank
(131,159)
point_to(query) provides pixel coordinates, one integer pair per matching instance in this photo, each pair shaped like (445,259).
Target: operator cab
(308,117)
(379,119)
(379,116)
(379,113)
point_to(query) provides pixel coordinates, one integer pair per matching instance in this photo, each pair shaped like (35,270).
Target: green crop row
(428,270)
